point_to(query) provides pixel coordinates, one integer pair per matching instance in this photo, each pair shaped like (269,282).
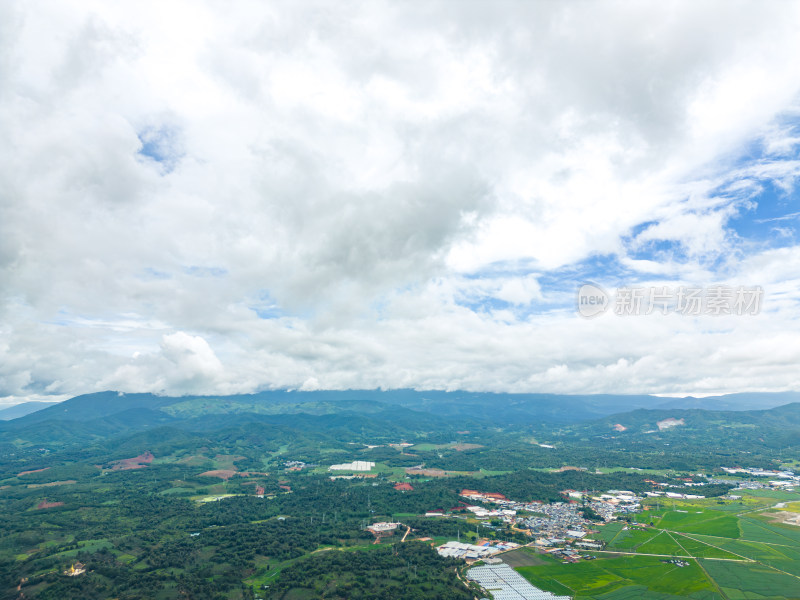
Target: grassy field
(630,539)
(694,547)
(609,531)
(705,521)
(599,577)
(740,581)
(663,543)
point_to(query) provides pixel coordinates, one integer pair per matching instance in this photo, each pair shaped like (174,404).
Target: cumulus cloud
(206,198)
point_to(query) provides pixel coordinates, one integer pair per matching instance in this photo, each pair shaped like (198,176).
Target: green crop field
(663,543)
(778,495)
(629,539)
(740,581)
(607,532)
(700,549)
(640,592)
(757,531)
(685,517)
(599,577)
(587,577)
(706,522)
(426,447)
(751,523)
(752,550)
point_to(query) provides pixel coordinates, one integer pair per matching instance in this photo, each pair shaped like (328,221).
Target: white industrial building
(383,527)
(357,465)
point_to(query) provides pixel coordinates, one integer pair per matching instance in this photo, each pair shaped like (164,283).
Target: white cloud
(364,175)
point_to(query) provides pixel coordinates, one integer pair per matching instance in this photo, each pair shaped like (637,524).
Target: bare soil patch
(785,517)
(221,473)
(33,471)
(51,484)
(228,473)
(137,462)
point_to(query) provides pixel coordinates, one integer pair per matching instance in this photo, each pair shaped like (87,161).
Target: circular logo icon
(592,300)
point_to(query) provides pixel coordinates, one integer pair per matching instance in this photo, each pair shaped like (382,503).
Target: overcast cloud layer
(215,197)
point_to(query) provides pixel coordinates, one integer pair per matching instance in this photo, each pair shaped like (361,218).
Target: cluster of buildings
(381,529)
(558,527)
(756,472)
(484,496)
(555,522)
(782,480)
(484,513)
(297,465)
(674,495)
(473,552)
(614,503)
(571,554)
(560,514)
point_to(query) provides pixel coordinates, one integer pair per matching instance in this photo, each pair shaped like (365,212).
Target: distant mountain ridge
(495,407)
(741,401)
(376,414)
(20,410)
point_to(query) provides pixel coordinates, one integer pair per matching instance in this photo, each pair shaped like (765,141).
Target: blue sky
(208,199)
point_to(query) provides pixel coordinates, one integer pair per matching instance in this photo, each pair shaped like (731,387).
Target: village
(557,528)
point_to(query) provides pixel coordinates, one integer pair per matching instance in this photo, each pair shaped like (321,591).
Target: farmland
(725,555)
(604,575)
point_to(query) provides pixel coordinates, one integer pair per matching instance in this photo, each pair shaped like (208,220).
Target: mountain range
(395,414)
